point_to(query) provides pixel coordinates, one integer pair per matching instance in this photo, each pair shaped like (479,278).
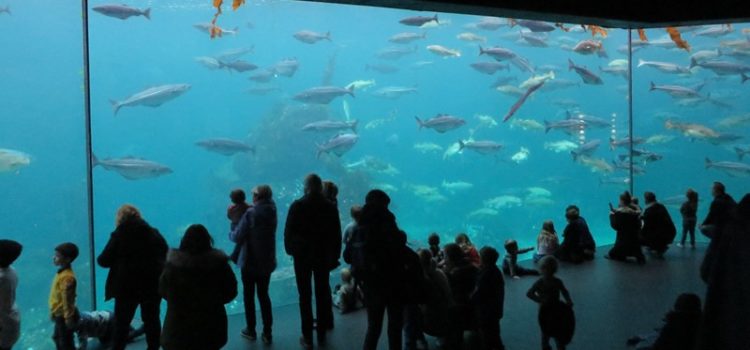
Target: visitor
(689,210)
(312,236)
(256,235)
(488,298)
(10,317)
(680,329)
(356,214)
(510,262)
(436,309)
(437,253)
(556,319)
(62,297)
(578,244)
(462,277)
(546,242)
(471,252)
(196,283)
(331,191)
(658,230)
(626,221)
(134,255)
(100,325)
(719,215)
(346,294)
(235,211)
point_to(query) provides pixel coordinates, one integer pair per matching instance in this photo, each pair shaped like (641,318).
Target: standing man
(719,215)
(312,237)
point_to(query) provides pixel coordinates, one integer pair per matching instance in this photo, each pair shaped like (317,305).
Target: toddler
(510,262)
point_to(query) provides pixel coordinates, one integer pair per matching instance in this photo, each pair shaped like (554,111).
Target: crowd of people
(440,291)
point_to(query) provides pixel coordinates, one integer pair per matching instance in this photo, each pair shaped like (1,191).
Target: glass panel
(694,119)
(453,65)
(43,177)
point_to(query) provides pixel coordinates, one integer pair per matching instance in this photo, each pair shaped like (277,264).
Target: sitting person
(510,262)
(658,230)
(100,325)
(578,244)
(437,254)
(626,221)
(679,330)
(546,242)
(464,242)
(347,295)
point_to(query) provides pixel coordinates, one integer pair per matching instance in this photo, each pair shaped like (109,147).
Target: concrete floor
(613,301)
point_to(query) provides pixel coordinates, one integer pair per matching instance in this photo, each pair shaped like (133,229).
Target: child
(510,262)
(689,218)
(488,298)
(10,318)
(100,325)
(62,296)
(234,213)
(680,327)
(356,213)
(346,295)
(471,253)
(437,254)
(546,242)
(555,318)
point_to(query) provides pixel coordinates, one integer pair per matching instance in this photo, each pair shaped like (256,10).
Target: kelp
(215,30)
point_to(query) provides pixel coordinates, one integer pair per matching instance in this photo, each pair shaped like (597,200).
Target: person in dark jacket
(256,235)
(10,317)
(689,210)
(680,328)
(578,244)
(438,303)
(312,236)
(626,221)
(658,230)
(196,283)
(488,298)
(719,215)
(135,255)
(462,276)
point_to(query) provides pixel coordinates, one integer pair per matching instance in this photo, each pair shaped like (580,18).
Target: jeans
(63,336)
(305,275)
(250,281)
(124,313)
(376,309)
(688,227)
(413,326)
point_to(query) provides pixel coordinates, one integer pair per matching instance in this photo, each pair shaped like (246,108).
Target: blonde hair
(125,213)
(263,192)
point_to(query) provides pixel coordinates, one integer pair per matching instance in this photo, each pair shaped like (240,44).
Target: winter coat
(679,332)
(135,257)
(489,295)
(196,287)
(719,215)
(312,234)
(10,318)
(256,234)
(462,279)
(437,308)
(576,239)
(658,229)
(626,221)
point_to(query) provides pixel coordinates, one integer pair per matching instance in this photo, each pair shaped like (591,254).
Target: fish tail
(94,160)
(744,77)
(641,62)
(709,163)
(571,65)
(481,51)
(575,155)
(147,13)
(115,106)
(693,62)
(350,91)
(354,125)
(328,36)
(320,151)
(653,87)
(547,127)
(461,145)
(436,19)
(419,122)
(740,152)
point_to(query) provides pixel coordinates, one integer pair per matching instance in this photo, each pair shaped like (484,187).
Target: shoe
(245,333)
(266,338)
(680,245)
(305,342)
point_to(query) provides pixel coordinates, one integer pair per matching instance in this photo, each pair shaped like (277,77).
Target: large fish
(590,120)
(498,53)
(491,23)
(586,75)
(705,55)
(234,54)
(394,92)
(338,144)
(441,123)
(225,146)
(489,68)
(715,31)
(471,37)
(329,125)
(588,47)
(286,67)
(152,97)
(263,76)
(395,53)
(322,94)
(481,147)
(625,142)
(665,67)
(534,40)
(724,68)
(596,165)
(676,91)
(121,11)
(406,38)
(568,125)
(418,21)
(534,26)
(443,51)
(522,99)
(238,66)
(310,37)
(586,149)
(133,168)
(207,27)
(11,160)
(731,168)
(208,62)
(692,130)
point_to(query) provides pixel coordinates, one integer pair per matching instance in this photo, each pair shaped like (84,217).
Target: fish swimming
(361,84)
(692,130)
(208,62)
(724,68)
(596,165)
(5,9)
(676,91)
(208,27)
(537,79)
(418,21)
(322,94)
(534,40)
(741,152)
(715,31)
(395,53)
(588,47)
(616,70)
(705,55)
(481,147)
(521,156)
(522,99)
(586,75)
(625,142)
(526,124)
(567,125)
(590,120)
(443,51)
(534,26)
(121,11)
(586,149)
(489,68)
(394,92)
(310,37)
(498,53)
(441,123)
(427,147)
(286,67)
(330,125)
(133,168)
(560,146)
(11,160)
(238,66)
(338,144)
(225,146)
(263,76)
(491,23)
(151,97)
(471,37)
(456,186)
(731,168)
(406,38)
(234,54)
(665,67)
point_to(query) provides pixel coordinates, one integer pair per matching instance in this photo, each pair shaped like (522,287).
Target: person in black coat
(256,236)
(658,229)
(719,215)
(626,221)
(680,329)
(312,236)
(578,244)
(135,255)
(462,277)
(196,283)
(488,299)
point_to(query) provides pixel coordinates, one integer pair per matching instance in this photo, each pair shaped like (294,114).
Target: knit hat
(68,250)
(9,252)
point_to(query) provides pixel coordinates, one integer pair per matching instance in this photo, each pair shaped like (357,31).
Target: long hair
(125,213)
(196,240)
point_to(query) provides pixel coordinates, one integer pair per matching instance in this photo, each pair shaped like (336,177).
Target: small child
(437,254)
(510,262)
(346,295)
(688,211)
(234,213)
(547,242)
(555,318)
(470,251)
(10,318)
(100,325)
(62,297)
(356,213)
(488,298)
(680,327)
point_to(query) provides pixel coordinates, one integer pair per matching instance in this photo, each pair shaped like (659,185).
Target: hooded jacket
(256,234)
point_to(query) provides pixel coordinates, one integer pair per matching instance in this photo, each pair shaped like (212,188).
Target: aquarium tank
(480,125)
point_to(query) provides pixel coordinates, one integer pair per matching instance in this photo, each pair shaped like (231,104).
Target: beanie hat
(68,250)
(9,252)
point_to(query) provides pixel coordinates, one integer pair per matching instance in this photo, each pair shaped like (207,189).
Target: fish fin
(328,36)
(419,122)
(547,127)
(575,155)
(693,62)
(115,106)
(94,160)
(147,13)
(461,145)
(481,52)
(740,152)
(744,77)
(436,19)
(653,87)
(709,163)
(571,65)
(351,91)
(641,62)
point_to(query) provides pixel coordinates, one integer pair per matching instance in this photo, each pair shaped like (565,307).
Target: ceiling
(621,14)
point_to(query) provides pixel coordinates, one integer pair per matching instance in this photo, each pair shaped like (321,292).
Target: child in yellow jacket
(62,297)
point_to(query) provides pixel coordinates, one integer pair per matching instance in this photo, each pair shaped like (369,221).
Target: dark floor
(613,301)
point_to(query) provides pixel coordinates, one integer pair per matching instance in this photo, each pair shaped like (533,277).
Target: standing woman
(689,211)
(10,318)
(196,283)
(135,257)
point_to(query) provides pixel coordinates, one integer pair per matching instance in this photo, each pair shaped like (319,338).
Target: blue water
(44,203)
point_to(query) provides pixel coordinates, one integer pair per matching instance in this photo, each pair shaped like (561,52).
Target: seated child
(234,213)
(556,319)
(680,327)
(347,295)
(546,242)
(100,325)
(510,262)
(437,253)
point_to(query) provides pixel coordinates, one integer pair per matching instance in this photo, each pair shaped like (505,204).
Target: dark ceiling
(621,13)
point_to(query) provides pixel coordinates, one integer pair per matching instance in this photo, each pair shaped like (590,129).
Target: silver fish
(568,125)
(741,152)
(406,38)
(665,67)
(120,11)
(675,90)
(234,54)
(133,168)
(329,125)
(534,26)
(394,92)
(481,147)
(586,149)
(263,76)
(441,123)
(586,75)
(322,94)
(731,168)
(11,160)
(339,144)
(418,21)
(225,146)
(310,37)
(489,68)
(238,66)
(724,67)
(152,97)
